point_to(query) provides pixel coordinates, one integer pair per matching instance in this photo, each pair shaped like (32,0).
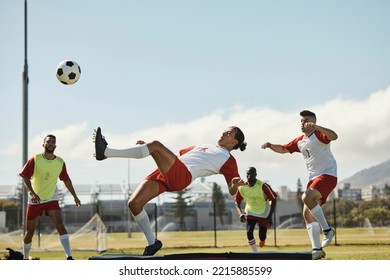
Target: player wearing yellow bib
(40,175)
(260,205)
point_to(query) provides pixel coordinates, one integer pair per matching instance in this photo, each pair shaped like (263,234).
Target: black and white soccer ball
(68,72)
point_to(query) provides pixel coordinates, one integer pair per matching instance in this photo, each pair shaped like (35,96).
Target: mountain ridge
(377,175)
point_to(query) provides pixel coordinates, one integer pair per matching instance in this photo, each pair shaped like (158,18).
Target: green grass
(349,244)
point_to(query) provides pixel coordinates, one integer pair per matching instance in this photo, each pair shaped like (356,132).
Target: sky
(181,72)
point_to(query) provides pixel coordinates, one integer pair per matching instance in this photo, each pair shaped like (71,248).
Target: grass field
(349,244)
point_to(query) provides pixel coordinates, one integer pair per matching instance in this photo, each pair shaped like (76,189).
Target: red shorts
(34,210)
(176,179)
(325,184)
(260,221)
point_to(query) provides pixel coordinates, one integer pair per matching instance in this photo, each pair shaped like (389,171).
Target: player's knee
(134,205)
(155,145)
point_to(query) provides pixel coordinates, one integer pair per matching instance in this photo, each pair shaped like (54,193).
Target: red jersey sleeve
(28,169)
(185,150)
(322,137)
(238,198)
(229,170)
(269,192)
(292,147)
(64,173)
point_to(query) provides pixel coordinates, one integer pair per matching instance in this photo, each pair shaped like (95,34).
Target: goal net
(92,235)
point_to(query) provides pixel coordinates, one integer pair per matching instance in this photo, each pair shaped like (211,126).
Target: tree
(386,191)
(299,193)
(219,199)
(183,207)
(95,193)
(378,216)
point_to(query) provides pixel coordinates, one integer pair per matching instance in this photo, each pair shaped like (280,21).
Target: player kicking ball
(175,172)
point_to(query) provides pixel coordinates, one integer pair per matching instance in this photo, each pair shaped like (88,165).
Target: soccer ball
(68,72)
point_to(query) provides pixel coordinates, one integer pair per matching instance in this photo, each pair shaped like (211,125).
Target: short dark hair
(49,136)
(307,113)
(251,169)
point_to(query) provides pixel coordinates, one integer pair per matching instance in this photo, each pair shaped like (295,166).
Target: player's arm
(234,184)
(275,147)
(69,186)
(271,212)
(26,174)
(27,185)
(329,133)
(238,199)
(64,176)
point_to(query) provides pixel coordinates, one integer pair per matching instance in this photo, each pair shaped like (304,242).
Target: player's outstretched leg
(100,144)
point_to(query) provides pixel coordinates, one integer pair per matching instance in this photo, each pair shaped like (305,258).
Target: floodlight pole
(25,112)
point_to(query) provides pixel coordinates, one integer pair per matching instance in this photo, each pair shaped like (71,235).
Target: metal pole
(274,224)
(155,219)
(25,111)
(128,197)
(215,225)
(334,221)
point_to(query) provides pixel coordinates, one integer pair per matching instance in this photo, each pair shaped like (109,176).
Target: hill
(377,175)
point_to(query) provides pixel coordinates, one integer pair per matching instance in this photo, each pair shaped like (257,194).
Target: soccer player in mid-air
(314,145)
(175,173)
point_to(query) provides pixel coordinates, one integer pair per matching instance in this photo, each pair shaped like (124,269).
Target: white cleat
(317,254)
(328,236)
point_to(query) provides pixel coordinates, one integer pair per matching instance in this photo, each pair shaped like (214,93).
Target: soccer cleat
(100,144)
(70,258)
(262,243)
(152,249)
(317,254)
(328,236)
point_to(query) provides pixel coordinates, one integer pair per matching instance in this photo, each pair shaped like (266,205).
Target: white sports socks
(26,250)
(253,245)
(142,220)
(320,217)
(314,231)
(139,151)
(66,244)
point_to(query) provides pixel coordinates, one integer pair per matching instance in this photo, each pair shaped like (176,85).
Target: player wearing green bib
(40,175)
(260,205)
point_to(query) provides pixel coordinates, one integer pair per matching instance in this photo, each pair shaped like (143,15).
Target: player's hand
(140,142)
(242,218)
(234,184)
(266,145)
(237,181)
(77,201)
(269,220)
(310,126)
(35,199)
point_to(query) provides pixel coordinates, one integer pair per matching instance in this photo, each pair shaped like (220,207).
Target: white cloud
(363,127)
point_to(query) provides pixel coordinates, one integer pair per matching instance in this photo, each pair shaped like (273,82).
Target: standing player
(40,175)
(175,173)
(258,210)
(314,145)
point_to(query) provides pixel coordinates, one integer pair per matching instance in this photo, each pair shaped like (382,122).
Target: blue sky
(182,71)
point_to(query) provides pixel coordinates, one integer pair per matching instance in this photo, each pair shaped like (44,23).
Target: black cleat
(152,249)
(100,144)
(70,258)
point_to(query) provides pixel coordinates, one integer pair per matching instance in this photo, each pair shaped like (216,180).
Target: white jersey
(317,154)
(207,159)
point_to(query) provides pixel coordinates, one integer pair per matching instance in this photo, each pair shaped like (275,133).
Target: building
(347,193)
